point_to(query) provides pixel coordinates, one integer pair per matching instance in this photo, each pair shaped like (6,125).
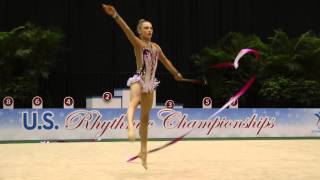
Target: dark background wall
(99,57)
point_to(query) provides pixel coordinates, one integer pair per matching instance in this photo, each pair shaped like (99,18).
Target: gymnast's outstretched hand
(110,10)
(178,77)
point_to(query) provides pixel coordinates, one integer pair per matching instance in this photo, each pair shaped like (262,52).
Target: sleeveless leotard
(145,74)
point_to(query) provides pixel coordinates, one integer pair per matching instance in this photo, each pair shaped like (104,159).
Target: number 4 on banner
(68,102)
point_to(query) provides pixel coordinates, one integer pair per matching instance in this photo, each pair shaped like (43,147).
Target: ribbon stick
(193,81)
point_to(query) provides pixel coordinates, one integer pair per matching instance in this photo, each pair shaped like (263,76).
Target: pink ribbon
(234,98)
(163,146)
(236,65)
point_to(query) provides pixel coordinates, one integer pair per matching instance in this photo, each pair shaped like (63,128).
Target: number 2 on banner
(107,96)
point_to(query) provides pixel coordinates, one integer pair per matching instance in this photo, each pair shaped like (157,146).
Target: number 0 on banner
(234,104)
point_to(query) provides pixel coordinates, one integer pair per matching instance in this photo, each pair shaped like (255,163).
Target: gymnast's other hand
(178,77)
(110,10)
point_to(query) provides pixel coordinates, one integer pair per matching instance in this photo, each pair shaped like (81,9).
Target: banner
(68,124)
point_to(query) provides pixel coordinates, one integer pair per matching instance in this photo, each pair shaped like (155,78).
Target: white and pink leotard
(145,75)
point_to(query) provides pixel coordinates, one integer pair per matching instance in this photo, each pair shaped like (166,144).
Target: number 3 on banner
(169,104)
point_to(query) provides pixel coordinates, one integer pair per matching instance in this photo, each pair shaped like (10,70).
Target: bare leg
(135,96)
(146,104)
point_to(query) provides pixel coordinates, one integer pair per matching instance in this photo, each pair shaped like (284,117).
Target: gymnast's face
(146,30)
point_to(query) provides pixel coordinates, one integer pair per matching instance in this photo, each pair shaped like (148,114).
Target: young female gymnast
(143,83)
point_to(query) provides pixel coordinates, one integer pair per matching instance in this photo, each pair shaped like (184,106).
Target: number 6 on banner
(37,102)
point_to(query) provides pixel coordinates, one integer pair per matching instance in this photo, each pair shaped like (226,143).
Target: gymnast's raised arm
(134,40)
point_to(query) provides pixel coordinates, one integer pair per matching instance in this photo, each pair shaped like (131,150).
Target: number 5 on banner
(206,103)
